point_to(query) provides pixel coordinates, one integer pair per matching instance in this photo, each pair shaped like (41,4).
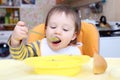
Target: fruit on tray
(99,64)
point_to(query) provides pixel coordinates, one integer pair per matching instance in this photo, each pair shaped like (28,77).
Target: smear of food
(55,39)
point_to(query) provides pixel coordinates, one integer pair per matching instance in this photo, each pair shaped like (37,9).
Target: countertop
(113,64)
(16,70)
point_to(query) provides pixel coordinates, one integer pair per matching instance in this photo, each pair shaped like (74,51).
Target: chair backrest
(89,36)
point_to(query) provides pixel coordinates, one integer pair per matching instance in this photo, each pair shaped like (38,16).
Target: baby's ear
(74,36)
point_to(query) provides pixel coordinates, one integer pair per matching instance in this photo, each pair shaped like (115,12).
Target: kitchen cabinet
(110,46)
(76,3)
(9,15)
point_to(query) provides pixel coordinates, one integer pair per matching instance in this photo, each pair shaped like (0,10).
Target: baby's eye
(66,30)
(53,27)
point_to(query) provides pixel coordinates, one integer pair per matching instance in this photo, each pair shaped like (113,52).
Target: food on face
(54,39)
(99,64)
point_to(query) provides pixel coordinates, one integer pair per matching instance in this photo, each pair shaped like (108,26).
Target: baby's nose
(58,31)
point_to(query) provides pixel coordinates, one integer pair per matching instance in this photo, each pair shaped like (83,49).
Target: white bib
(46,50)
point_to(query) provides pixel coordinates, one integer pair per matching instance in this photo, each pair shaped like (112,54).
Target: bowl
(63,65)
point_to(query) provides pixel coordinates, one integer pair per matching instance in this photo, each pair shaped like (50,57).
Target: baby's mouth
(55,40)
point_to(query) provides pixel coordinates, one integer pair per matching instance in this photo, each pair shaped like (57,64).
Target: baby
(62,27)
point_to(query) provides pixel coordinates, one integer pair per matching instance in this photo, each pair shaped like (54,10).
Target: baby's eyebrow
(51,23)
(68,26)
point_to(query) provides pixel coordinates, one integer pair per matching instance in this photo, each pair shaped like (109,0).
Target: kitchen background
(33,14)
(36,13)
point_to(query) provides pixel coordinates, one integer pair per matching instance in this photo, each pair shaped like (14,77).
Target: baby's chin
(54,47)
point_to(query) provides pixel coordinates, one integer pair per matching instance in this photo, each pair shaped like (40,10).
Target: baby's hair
(69,11)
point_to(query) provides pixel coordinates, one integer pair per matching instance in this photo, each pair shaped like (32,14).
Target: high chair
(89,37)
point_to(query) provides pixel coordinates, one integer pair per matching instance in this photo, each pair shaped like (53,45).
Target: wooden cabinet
(76,3)
(59,1)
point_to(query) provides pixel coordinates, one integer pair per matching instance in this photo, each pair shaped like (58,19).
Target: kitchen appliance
(114,30)
(103,22)
(108,28)
(110,40)
(4,48)
(115,26)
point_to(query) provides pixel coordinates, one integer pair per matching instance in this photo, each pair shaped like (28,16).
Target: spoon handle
(32,31)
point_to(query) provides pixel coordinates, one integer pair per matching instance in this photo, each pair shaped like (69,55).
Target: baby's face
(62,27)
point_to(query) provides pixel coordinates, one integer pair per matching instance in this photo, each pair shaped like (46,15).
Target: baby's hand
(20,32)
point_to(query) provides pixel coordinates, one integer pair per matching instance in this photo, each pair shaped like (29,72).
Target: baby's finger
(20,23)
(25,29)
(22,35)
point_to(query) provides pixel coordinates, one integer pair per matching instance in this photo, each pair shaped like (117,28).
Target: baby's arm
(25,51)
(14,42)
(19,33)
